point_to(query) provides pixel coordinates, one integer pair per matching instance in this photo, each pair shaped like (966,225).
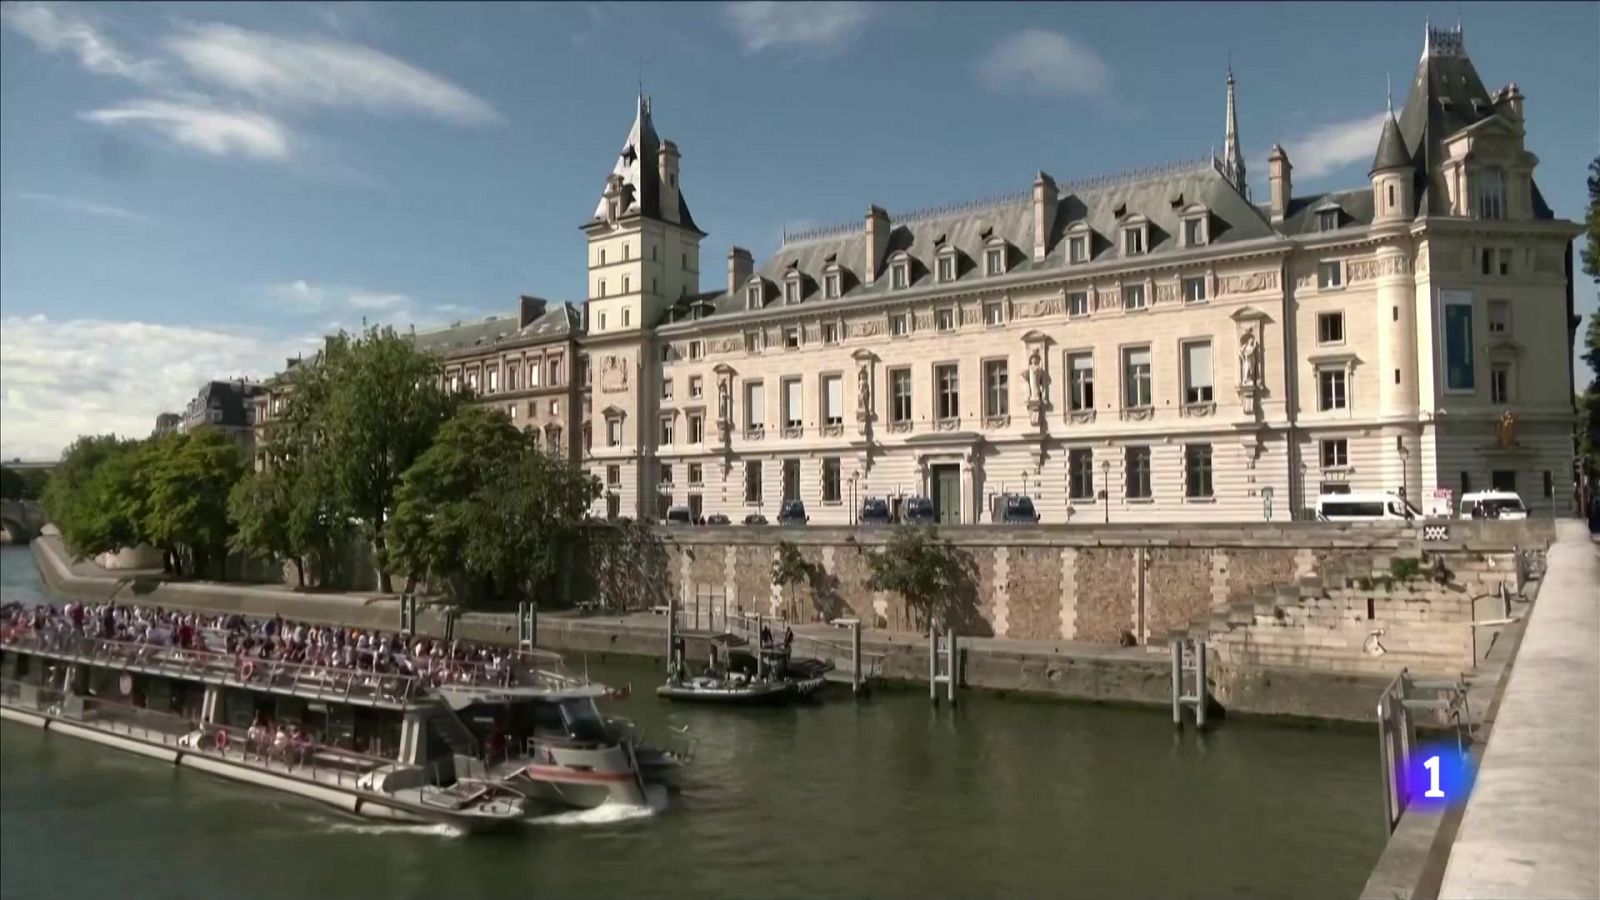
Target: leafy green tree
(789,568)
(34,483)
(109,511)
(191,477)
(369,408)
(484,512)
(923,569)
(1589,401)
(65,493)
(12,487)
(286,512)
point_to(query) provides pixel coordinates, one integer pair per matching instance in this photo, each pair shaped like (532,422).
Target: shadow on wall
(626,566)
(964,610)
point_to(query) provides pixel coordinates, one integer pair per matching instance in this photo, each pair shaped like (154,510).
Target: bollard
(950,666)
(1177,683)
(1200,691)
(855,658)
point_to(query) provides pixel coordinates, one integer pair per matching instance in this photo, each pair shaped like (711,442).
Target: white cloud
(764,23)
(348,303)
(381,302)
(1327,147)
(90,208)
(56,28)
(1038,61)
(90,376)
(321,72)
(209,130)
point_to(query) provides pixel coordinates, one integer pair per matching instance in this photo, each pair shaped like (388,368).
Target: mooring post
(933,663)
(1200,685)
(950,666)
(672,633)
(1177,683)
(855,658)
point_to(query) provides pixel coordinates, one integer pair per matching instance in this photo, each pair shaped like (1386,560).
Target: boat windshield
(582,719)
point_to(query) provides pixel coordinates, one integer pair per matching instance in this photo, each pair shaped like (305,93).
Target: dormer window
(994,261)
(752,296)
(1196,227)
(947,264)
(1078,246)
(900,273)
(1328,220)
(1491,191)
(1135,237)
(791,288)
(830,286)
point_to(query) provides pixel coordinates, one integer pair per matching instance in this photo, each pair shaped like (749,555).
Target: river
(887,797)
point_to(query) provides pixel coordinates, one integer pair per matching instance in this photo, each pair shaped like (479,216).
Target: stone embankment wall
(1086,584)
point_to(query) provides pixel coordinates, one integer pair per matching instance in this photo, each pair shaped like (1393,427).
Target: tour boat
(475,755)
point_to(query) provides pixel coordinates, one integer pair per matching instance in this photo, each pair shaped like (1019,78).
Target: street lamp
(854,477)
(1405,470)
(1266,502)
(1105,488)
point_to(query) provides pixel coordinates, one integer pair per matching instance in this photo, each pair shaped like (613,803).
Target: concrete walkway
(1532,826)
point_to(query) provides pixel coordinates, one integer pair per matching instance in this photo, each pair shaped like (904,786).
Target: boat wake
(439,830)
(608,813)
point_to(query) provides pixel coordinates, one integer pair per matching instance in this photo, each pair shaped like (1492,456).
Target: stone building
(227,406)
(1153,345)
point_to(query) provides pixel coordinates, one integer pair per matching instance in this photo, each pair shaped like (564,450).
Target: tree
(108,511)
(370,407)
(923,569)
(64,494)
(1589,401)
(191,477)
(484,511)
(12,487)
(286,512)
(789,568)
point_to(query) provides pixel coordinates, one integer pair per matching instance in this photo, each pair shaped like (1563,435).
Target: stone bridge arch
(20,521)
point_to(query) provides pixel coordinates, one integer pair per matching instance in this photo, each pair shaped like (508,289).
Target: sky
(190,191)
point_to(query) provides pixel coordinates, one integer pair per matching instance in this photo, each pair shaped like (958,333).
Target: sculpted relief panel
(1248,283)
(1368,269)
(614,375)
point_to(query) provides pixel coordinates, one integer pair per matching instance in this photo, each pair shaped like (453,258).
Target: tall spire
(1232,158)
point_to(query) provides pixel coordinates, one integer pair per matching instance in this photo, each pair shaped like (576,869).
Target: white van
(1492,505)
(1365,507)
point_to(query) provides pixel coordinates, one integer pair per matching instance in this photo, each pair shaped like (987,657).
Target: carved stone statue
(724,406)
(863,390)
(1505,431)
(1035,375)
(1249,359)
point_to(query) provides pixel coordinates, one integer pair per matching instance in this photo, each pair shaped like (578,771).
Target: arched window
(1491,193)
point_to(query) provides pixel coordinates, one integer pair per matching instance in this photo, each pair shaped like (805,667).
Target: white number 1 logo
(1432,765)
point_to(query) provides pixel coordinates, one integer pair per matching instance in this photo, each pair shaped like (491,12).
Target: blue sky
(197,190)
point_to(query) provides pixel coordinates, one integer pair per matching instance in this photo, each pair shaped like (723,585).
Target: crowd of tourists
(260,643)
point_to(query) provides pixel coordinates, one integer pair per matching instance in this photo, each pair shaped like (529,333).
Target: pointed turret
(1233,158)
(634,186)
(1446,96)
(1392,152)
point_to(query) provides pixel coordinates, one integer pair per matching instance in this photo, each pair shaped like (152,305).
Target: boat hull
(750,695)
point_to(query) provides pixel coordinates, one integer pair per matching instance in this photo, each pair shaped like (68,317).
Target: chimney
(530,308)
(740,267)
(1045,200)
(1278,176)
(668,188)
(1508,100)
(877,243)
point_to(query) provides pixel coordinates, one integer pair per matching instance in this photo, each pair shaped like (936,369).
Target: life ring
(221,741)
(246,669)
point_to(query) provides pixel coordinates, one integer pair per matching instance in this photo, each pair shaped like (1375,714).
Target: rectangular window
(1080,388)
(948,386)
(1078,303)
(555,371)
(667,430)
(833,400)
(1505,260)
(899,325)
(1335,453)
(535,373)
(994,314)
(696,387)
(1500,317)
(791,337)
(1136,467)
(1328,220)
(696,473)
(1132,241)
(1458,363)
(830,479)
(667,353)
(494,380)
(1194,290)
(1503,480)
(755,406)
(752,297)
(1078,249)
(792,399)
(900,395)
(1194,232)
(613,505)
(752,481)
(1197,372)
(830,332)
(511,410)
(697,429)
(1080,474)
(511,376)
(1133,296)
(1330,274)
(613,475)
(791,292)
(627,314)
(555,407)
(830,286)
(945,319)
(1491,183)
(996,389)
(666,473)
(1136,377)
(994,262)
(1500,383)
(947,268)
(666,388)
(753,341)
(791,479)
(1197,470)
(1330,328)
(613,432)
(1331,392)
(901,275)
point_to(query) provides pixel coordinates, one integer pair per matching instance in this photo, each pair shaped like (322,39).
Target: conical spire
(1232,158)
(1392,152)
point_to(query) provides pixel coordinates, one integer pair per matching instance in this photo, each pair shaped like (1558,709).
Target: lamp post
(854,477)
(1266,502)
(1405,470)
(1105,488)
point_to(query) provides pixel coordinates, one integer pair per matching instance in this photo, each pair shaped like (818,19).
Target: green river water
(886,797)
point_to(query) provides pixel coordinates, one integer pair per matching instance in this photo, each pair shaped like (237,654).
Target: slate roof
(231,397)
(637,167)
(558,320)
(1392,152)
(1302,217)
(1104,205)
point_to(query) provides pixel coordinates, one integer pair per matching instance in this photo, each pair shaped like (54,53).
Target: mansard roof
(1161,197)
(637,167)
(466,338)
(1301,218)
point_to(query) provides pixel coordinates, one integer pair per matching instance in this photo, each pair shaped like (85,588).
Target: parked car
(874,511)
(793,512)
(755,519)
(1365,506)
(718,519)
(1493,505)
(919,511)
(679,515)
(1015,509)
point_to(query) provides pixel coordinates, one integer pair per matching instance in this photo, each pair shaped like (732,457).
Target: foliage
(789,569)
(1591,223)
(628,562)
(190,478)
(64,494)
(1405,568)
(23,484)
(1589,401)
(286,512)
(369,408)
(934,577)
(485,511)
(107,511)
